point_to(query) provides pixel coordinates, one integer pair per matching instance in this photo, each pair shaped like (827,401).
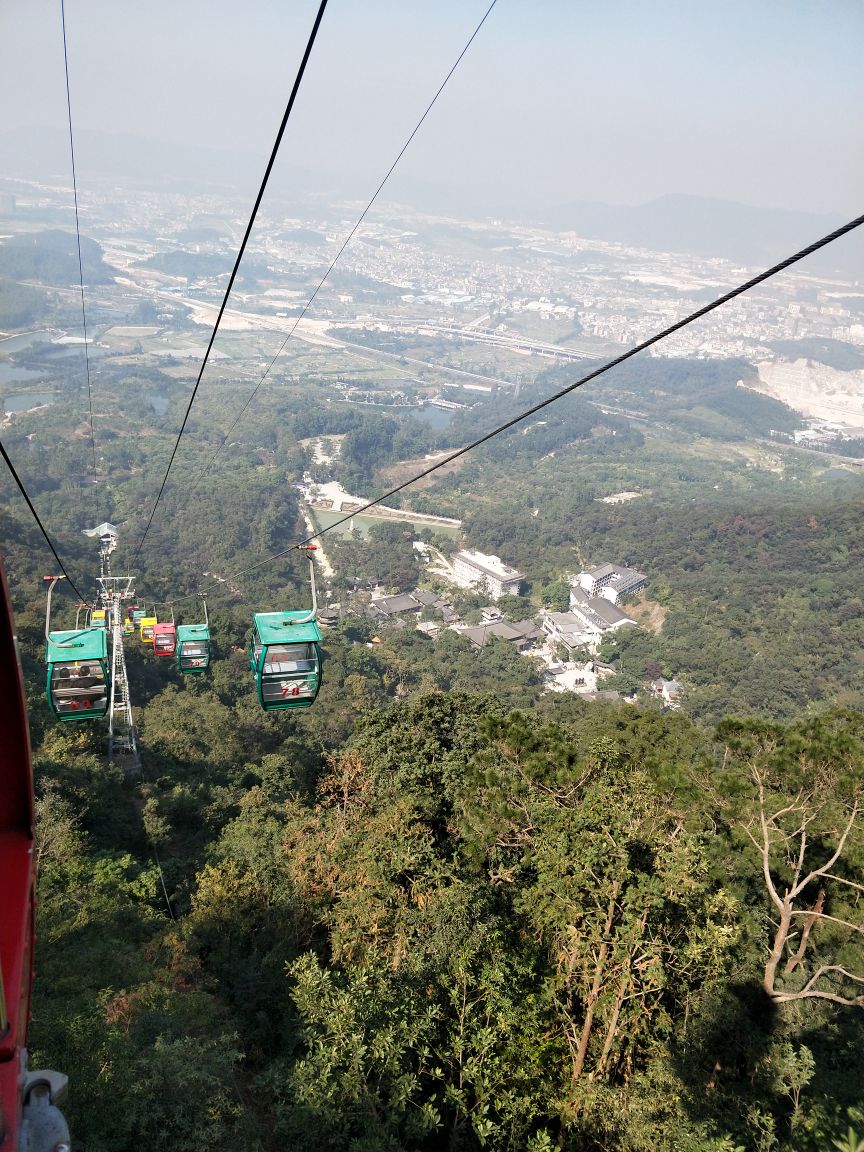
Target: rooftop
(393,605)
(500,630)
(618,573)
(77,644)
(192,632)
(608,612)
(286,627)
(489,565)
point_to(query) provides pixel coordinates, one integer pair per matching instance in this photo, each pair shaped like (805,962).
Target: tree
(603,871)
(805,845)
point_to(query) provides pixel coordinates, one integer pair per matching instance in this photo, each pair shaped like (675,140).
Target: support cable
(768,274)
(345,244)
(298,78)
(39,523)
(78,238)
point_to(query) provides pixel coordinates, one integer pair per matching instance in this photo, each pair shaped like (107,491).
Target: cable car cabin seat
(164,639)
(285,657)
(193,647)
(147,624)
(78,680)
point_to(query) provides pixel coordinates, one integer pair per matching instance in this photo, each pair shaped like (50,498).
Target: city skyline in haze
(556,103)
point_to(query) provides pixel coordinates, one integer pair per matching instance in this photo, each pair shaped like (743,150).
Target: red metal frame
(17,872)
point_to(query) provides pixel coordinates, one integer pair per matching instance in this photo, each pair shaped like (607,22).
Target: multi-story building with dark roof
(613,582)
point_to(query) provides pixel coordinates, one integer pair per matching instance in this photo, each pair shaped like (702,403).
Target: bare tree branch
(843,880)
(825,916)
(797,957)
(841,844)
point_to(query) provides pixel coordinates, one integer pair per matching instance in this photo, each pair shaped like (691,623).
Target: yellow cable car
(148,623)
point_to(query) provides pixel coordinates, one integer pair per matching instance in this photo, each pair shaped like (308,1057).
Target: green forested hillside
(459,927)
(51,257)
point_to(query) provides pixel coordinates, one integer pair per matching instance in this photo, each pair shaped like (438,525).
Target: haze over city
(554,102)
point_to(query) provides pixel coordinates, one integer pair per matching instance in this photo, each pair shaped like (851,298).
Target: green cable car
(285,654)
(285,659)
(78,679)
(193,647)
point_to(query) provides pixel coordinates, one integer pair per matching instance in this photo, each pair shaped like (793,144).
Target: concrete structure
(487,573)
(613,582)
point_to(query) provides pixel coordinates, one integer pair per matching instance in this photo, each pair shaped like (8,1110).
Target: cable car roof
(284,627)
(192,632)
(86,644)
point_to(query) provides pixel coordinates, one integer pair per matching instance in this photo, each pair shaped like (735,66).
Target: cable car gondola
(77,680)
(146,626)
(284,655)
(286,660)
(193,646)
(164,639)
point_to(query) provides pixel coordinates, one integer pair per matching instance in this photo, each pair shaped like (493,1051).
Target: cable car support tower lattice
(113,591)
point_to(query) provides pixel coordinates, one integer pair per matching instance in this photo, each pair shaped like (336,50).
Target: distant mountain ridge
(704,226)
(698,225)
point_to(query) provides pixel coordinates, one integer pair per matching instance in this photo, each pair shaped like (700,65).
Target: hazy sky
(760,101)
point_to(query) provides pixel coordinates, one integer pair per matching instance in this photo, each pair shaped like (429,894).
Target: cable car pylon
(113,592)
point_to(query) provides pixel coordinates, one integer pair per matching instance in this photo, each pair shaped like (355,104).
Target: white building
(589,619)
(485,573)
(611,581)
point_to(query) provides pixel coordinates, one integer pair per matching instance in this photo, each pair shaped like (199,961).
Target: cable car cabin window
(194,654)
(164,639)
(284,691)
(78,688)
(290,675)
(281,658)
(193,647)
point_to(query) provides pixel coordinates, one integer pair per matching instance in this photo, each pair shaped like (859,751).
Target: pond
(13,374)
(23,401)
(17,343)
(323,518)
(436,418)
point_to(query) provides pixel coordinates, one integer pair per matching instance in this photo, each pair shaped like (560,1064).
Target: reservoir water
(25,400)
(24,340)
(323,518)
(436,418)
(14,374)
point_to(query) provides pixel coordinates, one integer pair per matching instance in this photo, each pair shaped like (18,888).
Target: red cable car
(21,1092)
(164,639)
